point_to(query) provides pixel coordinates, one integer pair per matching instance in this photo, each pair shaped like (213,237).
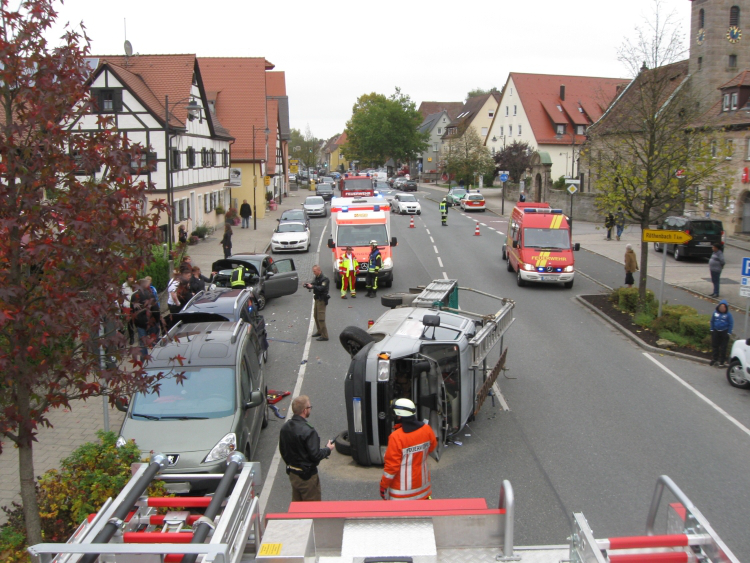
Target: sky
(334,52)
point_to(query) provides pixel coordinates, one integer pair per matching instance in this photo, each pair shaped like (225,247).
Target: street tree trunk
(26,471)
(643,272)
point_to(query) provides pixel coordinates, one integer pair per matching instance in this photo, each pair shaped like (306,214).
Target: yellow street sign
(266,180)
(666,237)
(293,168)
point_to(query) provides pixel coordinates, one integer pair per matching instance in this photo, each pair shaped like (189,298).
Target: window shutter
(206,204)
(117,101)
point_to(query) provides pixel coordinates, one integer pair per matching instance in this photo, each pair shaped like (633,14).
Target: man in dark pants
(300,449)
(245,213)
(319,287)
(374,263)
(722,325)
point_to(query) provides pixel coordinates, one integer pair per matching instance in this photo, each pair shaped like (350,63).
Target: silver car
(315,206)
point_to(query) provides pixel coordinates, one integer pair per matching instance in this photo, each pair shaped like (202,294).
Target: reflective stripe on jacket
(238,277)
(405,472)
(443,208)
(349,264)
(375,262)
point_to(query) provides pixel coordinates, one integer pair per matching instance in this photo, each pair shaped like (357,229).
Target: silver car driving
(315,206)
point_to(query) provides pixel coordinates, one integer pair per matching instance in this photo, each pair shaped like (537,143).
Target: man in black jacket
(319,287)
(300,449)
(245,213)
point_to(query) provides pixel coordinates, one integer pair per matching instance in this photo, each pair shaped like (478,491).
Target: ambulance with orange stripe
(538,245)
(355,221)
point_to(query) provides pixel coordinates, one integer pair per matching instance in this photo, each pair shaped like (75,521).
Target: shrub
(678,310)
(674,337)
(91,474)
(644,319)
(695,327)
(628,299)
(231,213)
(194,240)
(219,210)
(201,230)
(157,268)
(670,319)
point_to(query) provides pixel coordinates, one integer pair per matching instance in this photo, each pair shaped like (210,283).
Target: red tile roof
(742,79)
(429,108)
(276,83)
(540,96)
(241,100)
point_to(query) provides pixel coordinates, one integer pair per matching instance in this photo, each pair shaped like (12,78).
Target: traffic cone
(411,225)
(476,231)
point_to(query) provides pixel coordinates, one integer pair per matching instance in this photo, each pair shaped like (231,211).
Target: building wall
(483,120)
(245,189)
(501,128)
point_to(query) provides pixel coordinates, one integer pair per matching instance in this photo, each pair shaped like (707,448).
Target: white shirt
(171,289)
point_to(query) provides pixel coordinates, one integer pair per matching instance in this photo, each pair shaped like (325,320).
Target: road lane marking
(436,250)
(491,228)
(273,469)
(445,276)
(440,262)
(500,397)
(427,231)
(483,224)
(700,395)
(432,240)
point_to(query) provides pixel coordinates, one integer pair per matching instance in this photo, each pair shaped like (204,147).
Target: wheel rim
(735,372)
(261,302)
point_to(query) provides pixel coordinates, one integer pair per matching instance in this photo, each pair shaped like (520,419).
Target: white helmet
(404,407)
(373,242)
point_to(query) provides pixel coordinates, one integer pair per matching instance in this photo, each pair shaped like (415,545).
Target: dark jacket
(716,262)
(226,241)
(609,221)
(245,210)
(320,287)
(299,445)
(198,284)
(375,261)
(722,321)
(145,309)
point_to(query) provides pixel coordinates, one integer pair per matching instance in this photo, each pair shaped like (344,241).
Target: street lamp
(194,111)
(255,180)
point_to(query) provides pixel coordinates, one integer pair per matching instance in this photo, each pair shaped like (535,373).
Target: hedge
(695,327)
(627,298)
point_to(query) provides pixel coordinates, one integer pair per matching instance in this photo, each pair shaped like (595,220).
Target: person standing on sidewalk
(226,242)
(715,266)
(631,265)
(609,223)
(722,324)
(319,287)
(620,222)
(245,213)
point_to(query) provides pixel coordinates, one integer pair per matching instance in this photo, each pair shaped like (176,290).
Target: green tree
(381,128)
(66,237)
(305,147)
(480,91)
(466,158)
(515,158)
(636,149)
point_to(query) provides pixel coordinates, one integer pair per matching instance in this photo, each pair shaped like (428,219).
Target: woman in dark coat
(226,242)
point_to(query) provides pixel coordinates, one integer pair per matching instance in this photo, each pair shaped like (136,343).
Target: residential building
(551,113)
(160,102)
(278,123)
(431,108)
(434,125)
(334,158)
(478,113)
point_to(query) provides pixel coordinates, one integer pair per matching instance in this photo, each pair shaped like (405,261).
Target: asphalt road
(592,419)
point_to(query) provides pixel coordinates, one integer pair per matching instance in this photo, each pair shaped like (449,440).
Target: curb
(637,340)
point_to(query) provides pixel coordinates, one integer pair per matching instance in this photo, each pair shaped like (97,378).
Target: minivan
(705,232)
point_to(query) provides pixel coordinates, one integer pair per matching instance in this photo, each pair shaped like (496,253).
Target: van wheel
(658,247)
(395,299)
(568,285)
(505,256)
(736,376)
(265,356)
(677,254)
(388,283)
(261,301)
(343,446)
(264,424)
(509,266)
(519,281)
(337,280)
(353,339)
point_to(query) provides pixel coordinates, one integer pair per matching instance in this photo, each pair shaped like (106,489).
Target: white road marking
(432,240)
(499,233)
(483,224)
(273,469)
(427,231)
(700,395)
(440,262)
(491,228)
(445,276)
(499,395)
(436,250)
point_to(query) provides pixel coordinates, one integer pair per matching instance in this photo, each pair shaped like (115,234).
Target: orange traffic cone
(411,225)
(476,231)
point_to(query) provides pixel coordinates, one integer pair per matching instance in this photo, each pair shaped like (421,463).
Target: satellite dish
(128,49)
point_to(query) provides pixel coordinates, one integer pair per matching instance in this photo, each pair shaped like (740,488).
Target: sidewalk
(79,424)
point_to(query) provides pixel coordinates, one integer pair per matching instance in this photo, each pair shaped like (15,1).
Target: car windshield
(291,228)
(358,184)
(207,392)
(314,200)
(292,214)
(458,193)
(475,197)
(407,198)
(325,188)
(706,227)
(558,239)
(327,179)
(361,235)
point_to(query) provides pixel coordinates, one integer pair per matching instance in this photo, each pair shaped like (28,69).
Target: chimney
(562,92)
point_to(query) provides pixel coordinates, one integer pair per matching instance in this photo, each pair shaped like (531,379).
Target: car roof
(220,300)
(200,344)
(296,222)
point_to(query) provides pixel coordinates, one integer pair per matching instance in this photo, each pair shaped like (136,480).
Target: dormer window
(733,102)
(108,100)
(725,104)
(580,129)
(560,129)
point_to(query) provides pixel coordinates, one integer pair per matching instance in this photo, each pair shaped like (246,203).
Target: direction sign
(572,188)
(744,291)
(504,177)
(745,267)
(667,237)
(266,180)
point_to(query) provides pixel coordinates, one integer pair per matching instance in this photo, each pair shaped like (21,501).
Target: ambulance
(355,221)
(538,246)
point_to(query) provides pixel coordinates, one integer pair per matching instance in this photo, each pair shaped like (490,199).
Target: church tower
(719,45)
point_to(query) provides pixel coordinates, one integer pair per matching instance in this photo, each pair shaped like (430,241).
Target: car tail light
(723,237)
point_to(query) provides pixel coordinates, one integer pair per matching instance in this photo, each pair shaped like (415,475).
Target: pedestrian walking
(620,222)
(374,263)
(299,446)
(319,287)
(715,266)
(146,316)
(182,235)
(631,265)
(245,213)
(348,268)
(405,473)
(226,242)
(609,223)
(444,212)
(722,325)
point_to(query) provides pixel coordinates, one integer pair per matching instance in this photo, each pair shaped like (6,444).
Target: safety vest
(443,208)
(238,277)
(376,261)
(349,264)
(405,473)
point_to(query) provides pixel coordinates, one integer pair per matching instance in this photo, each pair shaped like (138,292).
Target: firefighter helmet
(404,407)
(373,242)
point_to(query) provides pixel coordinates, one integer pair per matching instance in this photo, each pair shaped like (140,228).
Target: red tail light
(687,231)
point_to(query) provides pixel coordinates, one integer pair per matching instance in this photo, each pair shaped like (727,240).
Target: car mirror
(577,246)
(394,241)
(331,244)
(515,244)
(256,400)
(269,275)
(121,403)
(747,342)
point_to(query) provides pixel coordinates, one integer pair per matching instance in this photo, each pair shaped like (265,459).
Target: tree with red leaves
(72,222)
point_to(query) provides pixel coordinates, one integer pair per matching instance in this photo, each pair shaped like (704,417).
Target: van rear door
(432,399)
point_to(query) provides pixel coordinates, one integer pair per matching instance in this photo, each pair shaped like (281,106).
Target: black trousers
(719,342)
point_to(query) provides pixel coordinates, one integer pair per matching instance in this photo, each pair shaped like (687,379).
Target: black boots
(371,293)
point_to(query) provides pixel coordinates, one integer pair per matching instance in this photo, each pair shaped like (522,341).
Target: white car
(472,202)
(738,372)
(315,206)
(406,204)
(291,235)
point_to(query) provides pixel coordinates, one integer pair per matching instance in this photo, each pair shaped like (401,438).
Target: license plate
(547,278)
(704,244)
(360,279)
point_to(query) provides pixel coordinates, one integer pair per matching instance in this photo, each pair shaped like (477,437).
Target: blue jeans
(246,222)
(715,277)
(620,229)
(146,337)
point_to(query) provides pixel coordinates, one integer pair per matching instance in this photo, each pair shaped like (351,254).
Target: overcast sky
(333,52)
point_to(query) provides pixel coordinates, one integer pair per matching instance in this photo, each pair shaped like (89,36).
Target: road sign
(745,267)
(745,291)
(266,180)
(572,188)
(666,237)
(293,168)
(680,173)
(504,177)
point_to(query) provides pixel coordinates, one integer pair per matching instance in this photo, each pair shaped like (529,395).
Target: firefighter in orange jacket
(405,475)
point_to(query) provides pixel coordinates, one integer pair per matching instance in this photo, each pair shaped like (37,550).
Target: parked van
(538,245)
(705,233)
